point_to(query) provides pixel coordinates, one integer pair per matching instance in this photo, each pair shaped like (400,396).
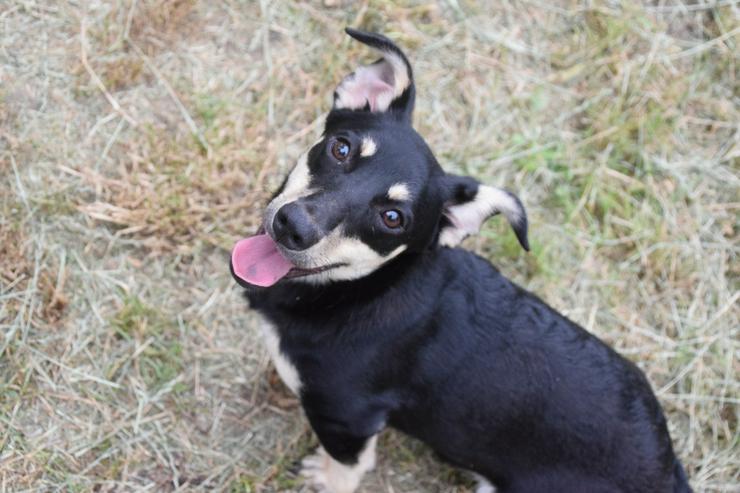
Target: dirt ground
(140,139)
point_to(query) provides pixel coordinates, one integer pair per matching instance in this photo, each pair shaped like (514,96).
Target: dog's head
(369,190)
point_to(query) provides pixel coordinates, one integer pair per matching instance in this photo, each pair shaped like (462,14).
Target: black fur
(438,344)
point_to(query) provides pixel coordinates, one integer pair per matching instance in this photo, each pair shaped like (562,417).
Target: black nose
(294,227)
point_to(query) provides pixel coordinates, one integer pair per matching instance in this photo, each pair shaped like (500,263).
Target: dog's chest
(285,368)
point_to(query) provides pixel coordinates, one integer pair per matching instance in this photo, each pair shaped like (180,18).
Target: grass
(139,140)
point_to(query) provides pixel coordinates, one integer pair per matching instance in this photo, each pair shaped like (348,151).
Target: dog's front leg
(339,464)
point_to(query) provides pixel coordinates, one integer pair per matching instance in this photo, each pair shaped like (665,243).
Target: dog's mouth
(257,260)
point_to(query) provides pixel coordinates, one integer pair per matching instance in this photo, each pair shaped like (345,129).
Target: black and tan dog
(374,318)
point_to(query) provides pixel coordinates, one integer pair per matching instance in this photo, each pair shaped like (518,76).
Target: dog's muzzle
(294,227)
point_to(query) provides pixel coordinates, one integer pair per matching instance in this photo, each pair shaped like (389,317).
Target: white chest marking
(284,367)
(483,485)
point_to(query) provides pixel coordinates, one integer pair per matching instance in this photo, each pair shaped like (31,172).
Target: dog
(374,318)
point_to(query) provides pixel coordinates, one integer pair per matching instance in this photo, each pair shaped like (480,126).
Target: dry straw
(139,140)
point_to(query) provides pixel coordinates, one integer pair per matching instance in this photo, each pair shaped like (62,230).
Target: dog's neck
(298,295)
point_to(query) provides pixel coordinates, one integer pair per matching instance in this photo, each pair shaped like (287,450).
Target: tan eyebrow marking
(368,147)
(399,191)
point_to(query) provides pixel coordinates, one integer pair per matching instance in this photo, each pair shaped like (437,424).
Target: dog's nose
(294,227)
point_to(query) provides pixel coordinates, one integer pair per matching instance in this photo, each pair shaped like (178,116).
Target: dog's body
(387,326)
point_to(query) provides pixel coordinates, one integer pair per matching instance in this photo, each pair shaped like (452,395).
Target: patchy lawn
(140,139)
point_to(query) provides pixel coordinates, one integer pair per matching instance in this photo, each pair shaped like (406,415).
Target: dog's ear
(468,204)
(386,85)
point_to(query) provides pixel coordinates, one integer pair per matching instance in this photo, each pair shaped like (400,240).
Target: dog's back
(541,399)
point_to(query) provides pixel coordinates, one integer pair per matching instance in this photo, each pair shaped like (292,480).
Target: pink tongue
(257,261)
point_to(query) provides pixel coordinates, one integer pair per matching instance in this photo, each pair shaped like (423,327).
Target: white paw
(315,468)
(325,475)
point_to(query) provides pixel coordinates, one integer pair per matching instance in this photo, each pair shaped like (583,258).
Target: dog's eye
(340,149)
(392,218)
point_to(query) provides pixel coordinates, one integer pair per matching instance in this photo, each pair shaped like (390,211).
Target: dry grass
(138,140)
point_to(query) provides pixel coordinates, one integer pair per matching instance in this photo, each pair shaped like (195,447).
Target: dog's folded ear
(386,85)
(468,204)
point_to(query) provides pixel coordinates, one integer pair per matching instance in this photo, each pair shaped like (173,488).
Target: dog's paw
(325,475)
(314,469)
